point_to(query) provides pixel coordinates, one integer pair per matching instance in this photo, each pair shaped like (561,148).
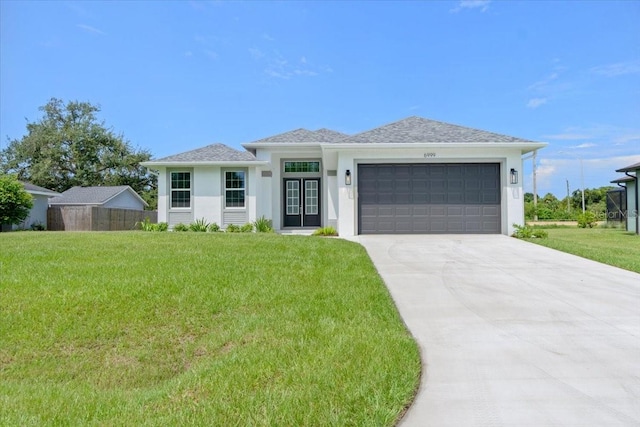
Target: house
(411,176)
(630,182)
(120,197)
(38,213)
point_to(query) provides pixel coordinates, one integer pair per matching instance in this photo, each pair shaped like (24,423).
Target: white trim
(191,180)
(225,189)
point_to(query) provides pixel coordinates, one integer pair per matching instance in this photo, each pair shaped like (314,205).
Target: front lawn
(133,328)
(607,245)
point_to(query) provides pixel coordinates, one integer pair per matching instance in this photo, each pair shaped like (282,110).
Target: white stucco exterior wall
(207,191)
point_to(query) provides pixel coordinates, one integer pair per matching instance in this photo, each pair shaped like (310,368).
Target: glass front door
(301,202)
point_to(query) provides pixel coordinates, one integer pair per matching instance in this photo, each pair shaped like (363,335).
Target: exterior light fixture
(513,176)
(347,177)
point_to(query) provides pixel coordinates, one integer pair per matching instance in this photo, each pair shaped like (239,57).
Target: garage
(429,198)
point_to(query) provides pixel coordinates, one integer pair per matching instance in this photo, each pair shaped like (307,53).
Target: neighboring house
(38,214)
(120,197)
(411,176)
(630,182)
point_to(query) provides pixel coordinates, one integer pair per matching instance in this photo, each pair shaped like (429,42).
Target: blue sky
(173,76)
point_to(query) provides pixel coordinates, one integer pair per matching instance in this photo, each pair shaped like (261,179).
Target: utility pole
(568,199)
(535,188)
(582,179)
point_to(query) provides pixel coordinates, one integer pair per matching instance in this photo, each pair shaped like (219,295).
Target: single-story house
(411,176)
(119,197)
(38,213)
(630,182)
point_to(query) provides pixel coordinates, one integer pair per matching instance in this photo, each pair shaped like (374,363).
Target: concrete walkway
(514,334)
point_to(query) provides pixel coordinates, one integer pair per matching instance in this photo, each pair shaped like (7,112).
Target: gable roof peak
(211,153)
(416,129)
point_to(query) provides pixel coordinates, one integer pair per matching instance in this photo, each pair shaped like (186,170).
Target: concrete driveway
(514,334)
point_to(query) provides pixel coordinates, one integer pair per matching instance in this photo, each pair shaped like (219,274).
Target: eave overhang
(151,164)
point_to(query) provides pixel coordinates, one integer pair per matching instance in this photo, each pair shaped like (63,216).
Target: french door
(301,202)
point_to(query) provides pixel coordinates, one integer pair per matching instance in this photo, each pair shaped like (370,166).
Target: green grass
(133,328)
(607,245)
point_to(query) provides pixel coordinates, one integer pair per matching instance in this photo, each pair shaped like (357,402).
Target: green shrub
(15,202)
(587,219)
(180,227)
(213,227)
(528,232)
(147,225)
(38,226)
(199,225)
(263,225)
(325,231)
(247,228)
(232,228)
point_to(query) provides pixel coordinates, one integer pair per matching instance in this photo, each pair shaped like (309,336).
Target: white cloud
(210,54)
(267,37)
(483,5)
(91,29)
(627,138)
(567,136)
(598,133)
(543,84)
(536,102)
(188,54)
(278,67)
(585,145)
(617,69)
(256,53)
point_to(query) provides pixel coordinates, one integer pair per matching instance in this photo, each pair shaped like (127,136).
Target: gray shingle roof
(210,153)
(303,136)
(417,129)
(89,195)
(630,168)
(298,135)
(328,135)
(31,188)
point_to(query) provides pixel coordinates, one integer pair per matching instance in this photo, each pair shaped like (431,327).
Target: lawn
(134,328)
(607,245)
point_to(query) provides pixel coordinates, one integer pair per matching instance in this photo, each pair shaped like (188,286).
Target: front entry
(301,202)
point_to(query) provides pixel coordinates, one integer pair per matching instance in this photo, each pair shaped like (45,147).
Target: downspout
(637,214)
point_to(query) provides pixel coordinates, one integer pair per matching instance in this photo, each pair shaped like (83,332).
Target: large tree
(69,147)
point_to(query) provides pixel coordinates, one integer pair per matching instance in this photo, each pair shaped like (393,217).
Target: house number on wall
(426,155)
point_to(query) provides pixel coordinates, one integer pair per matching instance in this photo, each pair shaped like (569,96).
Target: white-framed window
(181,190)
(234,189)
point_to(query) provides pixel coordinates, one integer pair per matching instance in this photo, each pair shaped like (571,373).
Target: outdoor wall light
(347,177)
(514,176)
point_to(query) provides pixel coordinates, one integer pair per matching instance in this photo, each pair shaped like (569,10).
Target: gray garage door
(429,198)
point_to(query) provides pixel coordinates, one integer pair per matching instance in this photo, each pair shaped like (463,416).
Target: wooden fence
(93,218)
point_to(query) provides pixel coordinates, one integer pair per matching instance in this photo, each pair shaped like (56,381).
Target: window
(180,189)
(234,188)
(302,166)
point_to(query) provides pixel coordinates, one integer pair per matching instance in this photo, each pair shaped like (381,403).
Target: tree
(69,147)
(15,202)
